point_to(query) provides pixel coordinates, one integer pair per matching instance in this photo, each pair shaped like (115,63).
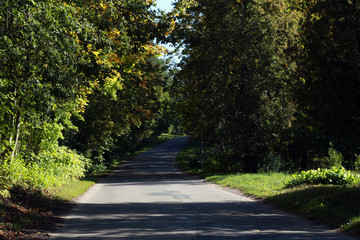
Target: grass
(72,189)
(336,206)
(261,185)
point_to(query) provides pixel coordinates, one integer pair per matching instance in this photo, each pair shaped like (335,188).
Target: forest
(262,84)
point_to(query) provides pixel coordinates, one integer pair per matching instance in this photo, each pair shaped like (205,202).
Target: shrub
(357,162)
(49,168)
(335,158)
(334,176)
(56,167)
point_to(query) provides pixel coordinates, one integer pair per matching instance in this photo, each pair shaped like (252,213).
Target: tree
(40,81)
(121,112)
(236,79)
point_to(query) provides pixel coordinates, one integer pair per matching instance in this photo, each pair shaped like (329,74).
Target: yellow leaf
(104,6)
(96,53)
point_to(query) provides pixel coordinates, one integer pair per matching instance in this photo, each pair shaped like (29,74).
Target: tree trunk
(16,126)
(17,135)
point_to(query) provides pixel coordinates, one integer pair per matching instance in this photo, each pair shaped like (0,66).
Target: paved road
(149,198)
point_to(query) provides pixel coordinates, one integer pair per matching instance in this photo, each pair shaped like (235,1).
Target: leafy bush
(49,168)
(56,167)
(335,158)
(334,176)
(357,162)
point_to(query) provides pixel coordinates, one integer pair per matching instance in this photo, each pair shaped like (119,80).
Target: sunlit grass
(72,189)
(260,185)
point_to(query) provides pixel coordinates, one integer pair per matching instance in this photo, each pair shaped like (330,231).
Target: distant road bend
(148,198)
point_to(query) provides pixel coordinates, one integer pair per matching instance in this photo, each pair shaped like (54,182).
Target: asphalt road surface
(149,198)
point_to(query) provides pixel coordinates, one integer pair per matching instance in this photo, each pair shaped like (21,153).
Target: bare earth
(149,198)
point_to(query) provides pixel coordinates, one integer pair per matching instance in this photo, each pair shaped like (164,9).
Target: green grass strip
(261,185)
(72,189)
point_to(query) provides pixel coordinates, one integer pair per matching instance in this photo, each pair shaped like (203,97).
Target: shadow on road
(174,221)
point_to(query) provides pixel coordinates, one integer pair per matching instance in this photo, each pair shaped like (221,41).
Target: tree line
(261,84)
(79,81)
(271,83)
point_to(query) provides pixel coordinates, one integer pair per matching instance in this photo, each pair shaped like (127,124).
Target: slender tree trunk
(16,125)
(17,135)
(12,119)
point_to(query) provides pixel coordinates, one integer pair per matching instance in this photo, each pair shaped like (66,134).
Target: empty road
(148,198)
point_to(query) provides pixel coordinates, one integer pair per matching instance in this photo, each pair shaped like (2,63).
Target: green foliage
(335,158)
(337,206)
(189,158)
(357,162)
(48,169)
(271,76)
(236,77)
(333,176)
(70,66)
(327,74)
(61,165)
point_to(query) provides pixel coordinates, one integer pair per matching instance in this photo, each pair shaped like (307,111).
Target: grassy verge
(72,190)
(335,206)
(260,185)
(29,214)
